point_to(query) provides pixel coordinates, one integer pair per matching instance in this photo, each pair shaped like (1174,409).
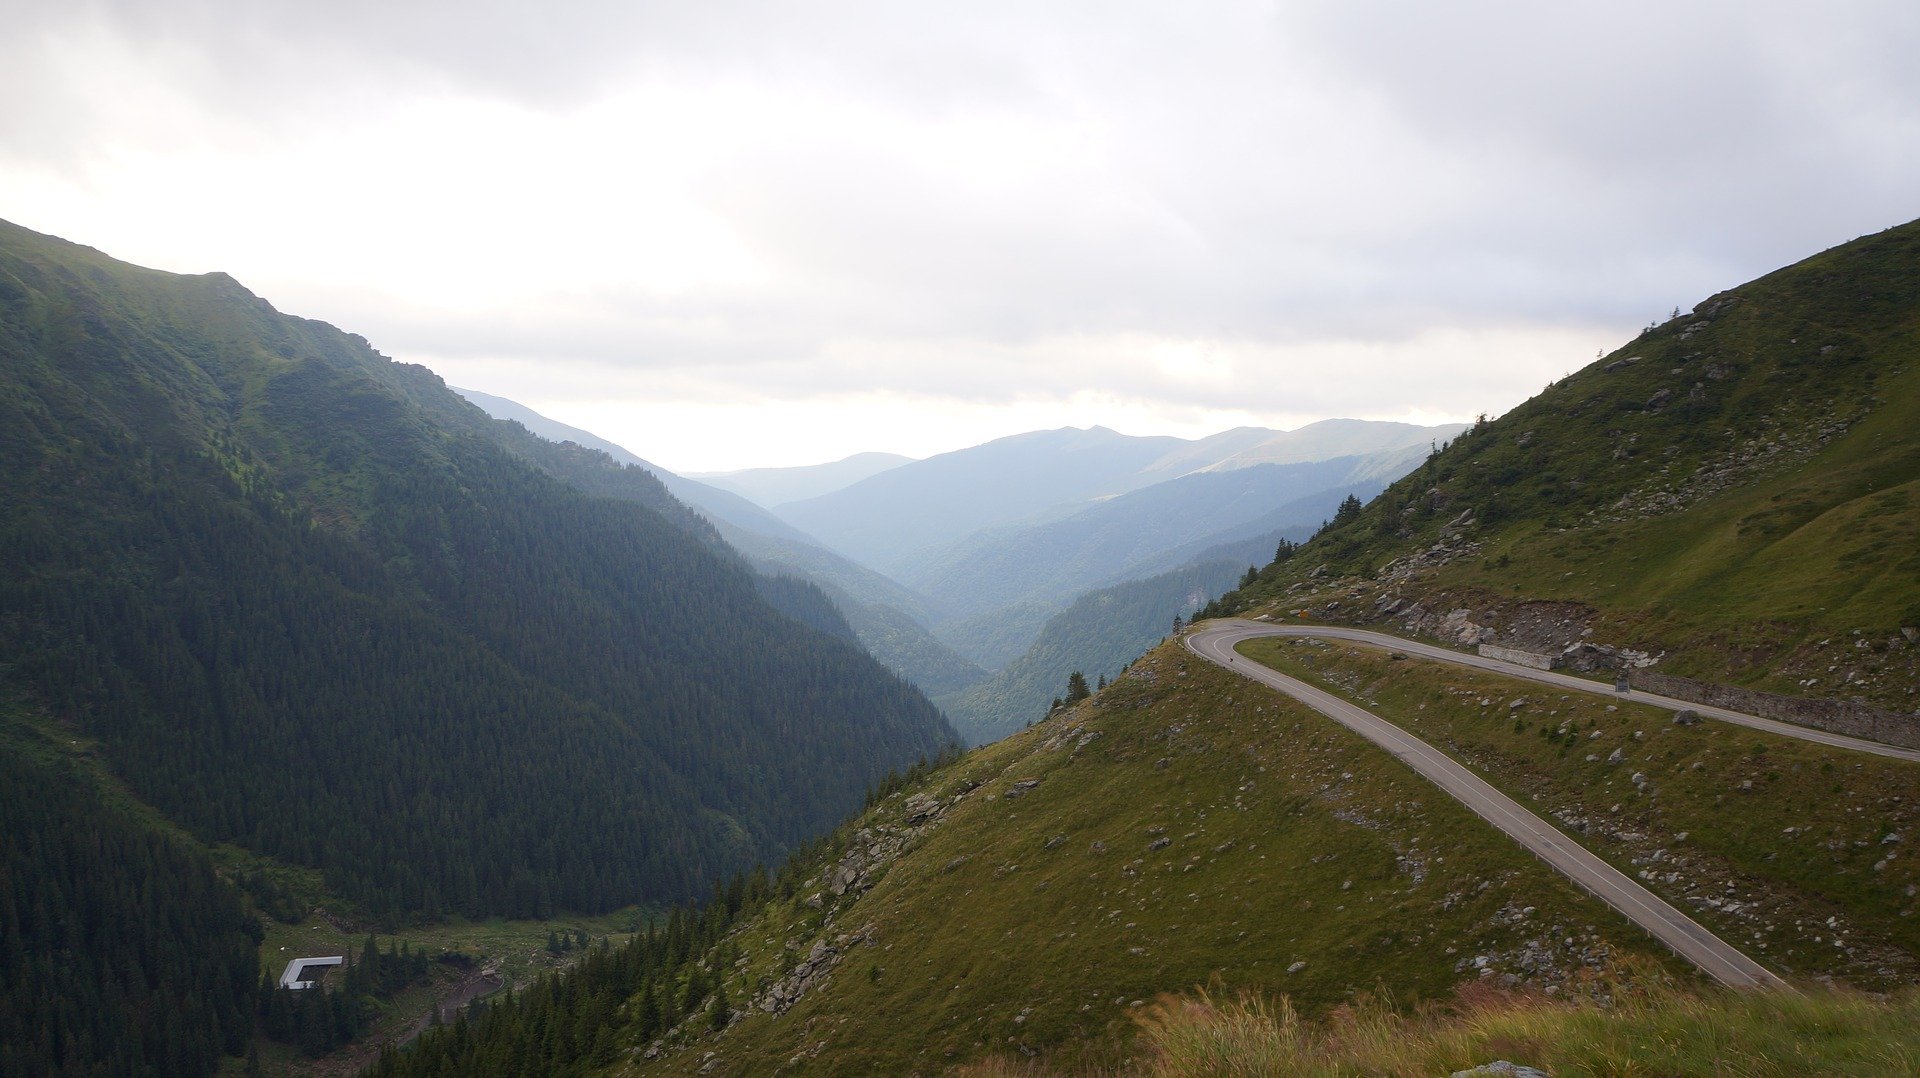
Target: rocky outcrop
(869,852)
(782,994)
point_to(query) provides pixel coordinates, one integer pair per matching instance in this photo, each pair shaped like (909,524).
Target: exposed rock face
(1536,660)
(870,851)
(1501,1068)
(820,960)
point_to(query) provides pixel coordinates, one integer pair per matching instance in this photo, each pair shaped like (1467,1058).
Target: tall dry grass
(1658,1031)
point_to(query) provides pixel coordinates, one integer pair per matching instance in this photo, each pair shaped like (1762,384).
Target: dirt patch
(473,986)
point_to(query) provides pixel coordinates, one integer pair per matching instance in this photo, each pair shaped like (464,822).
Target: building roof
(303,972)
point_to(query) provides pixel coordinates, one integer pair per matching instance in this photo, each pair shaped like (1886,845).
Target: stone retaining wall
(1836,716)
(1520,658)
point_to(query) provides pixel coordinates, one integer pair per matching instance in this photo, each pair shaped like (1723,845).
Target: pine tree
(1077,687)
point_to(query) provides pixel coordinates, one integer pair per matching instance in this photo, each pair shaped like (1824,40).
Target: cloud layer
(800,222)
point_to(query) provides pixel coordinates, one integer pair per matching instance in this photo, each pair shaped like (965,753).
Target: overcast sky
(730,234)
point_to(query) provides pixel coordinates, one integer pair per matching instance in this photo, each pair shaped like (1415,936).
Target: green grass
(1288,841)
(1734,792)
(1661,1032)
(1741,579)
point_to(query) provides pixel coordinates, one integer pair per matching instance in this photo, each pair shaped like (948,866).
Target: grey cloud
(1233,171)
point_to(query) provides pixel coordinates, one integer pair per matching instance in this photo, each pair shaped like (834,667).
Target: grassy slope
(1783,885)
(1289,841)
(1660,1032)
(1770,501)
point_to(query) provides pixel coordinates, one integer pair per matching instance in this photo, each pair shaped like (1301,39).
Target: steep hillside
(889,620)
(124,952)
(1097,636)
(1014,905)
(1734,497)
(314,604)
(718,506)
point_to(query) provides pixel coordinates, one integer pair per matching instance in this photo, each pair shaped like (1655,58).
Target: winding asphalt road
(1252,629)
(1687,938)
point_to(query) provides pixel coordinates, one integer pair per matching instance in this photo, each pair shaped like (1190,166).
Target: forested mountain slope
(711,502)
(313,603)
(889,620)
(1735,495)
(124,952)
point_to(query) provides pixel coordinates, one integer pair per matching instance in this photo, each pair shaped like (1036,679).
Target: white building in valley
(306,972)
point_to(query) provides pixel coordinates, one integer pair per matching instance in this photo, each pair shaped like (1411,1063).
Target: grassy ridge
(1795,852)
(1733,488)
(1184,826)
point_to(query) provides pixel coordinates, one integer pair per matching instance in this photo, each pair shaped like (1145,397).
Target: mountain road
(1215,642)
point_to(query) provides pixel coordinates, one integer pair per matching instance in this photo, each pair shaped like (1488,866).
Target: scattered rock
(1501,1068)
(1020,789)
(1686,717)
(1160,843)
(1616,756)
(1296,967)
(918,809)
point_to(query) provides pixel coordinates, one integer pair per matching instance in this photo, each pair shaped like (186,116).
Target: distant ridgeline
(313,603)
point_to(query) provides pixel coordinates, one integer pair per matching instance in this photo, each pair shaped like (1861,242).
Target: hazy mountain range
(948,568)
(778,486)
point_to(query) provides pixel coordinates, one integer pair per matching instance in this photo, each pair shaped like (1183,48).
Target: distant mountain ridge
(888,619)
(883,520)
(1063,557)
(1000,537)
(893,520)
(721,505)
(777,486)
